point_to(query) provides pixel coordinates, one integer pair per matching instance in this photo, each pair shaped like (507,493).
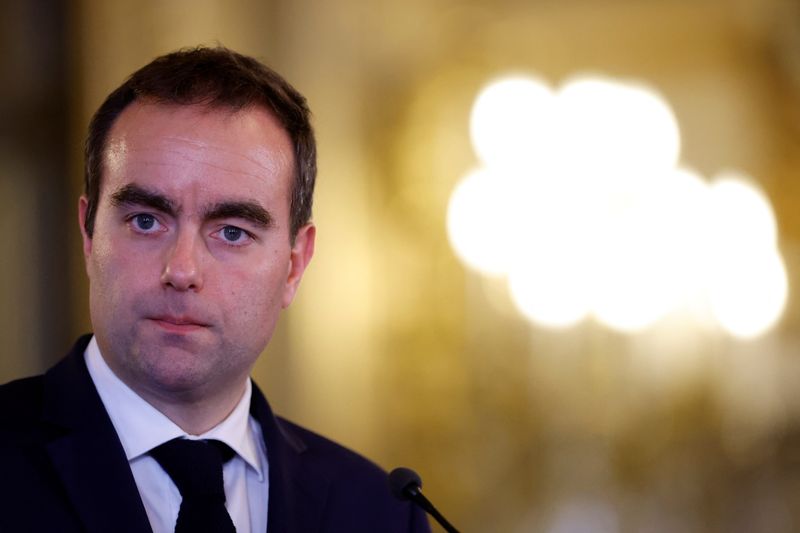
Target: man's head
(218,78)
(195,223)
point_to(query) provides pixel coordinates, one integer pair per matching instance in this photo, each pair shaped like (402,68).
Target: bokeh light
(747,283)
(748,294)
(549,286)
(625,128)
(511,122)
(477,224)
(741,216)
(581,203)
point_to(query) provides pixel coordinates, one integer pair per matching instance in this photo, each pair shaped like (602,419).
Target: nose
(182,269)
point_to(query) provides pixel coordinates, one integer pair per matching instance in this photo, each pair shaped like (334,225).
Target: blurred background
(557,240)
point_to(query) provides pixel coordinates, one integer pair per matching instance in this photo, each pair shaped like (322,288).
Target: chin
(175,370)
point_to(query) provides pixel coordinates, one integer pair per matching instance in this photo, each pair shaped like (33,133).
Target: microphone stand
(407,485)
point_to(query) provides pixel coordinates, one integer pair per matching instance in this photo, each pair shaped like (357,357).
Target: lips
(178,324)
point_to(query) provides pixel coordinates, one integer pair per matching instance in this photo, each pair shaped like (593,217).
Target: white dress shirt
(141,427)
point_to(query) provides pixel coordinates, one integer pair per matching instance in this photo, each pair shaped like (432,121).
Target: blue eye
(232,233)
(144,221)
(233,236)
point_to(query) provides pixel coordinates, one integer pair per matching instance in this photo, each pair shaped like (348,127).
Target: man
(196,231)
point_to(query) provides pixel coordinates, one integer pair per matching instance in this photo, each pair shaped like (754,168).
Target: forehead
(175,145)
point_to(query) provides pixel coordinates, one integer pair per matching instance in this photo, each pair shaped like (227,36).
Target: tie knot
(195,466)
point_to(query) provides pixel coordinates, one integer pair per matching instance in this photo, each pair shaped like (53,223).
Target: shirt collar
(141,427)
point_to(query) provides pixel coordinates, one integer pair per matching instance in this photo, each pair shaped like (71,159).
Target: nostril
(182,265)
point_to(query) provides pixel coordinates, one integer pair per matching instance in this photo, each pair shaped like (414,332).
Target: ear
(83,207)
(299,257)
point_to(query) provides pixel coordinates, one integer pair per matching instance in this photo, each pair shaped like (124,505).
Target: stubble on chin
(167,367)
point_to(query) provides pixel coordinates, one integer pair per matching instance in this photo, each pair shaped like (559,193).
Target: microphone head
(404,482)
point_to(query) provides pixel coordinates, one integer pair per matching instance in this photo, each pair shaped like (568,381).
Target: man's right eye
(145,223)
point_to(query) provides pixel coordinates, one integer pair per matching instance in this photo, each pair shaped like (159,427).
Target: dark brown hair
(215,77)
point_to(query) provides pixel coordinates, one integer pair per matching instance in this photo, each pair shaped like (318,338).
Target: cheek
(249,307)
(114,275)
(253,292)
(250,290)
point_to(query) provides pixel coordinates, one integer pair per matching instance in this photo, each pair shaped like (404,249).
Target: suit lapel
(91,463)
(87,453)
(296,500)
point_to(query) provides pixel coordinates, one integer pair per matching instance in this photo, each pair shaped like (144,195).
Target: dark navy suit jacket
(63,468)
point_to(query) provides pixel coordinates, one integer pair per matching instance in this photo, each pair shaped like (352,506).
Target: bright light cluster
(581,203)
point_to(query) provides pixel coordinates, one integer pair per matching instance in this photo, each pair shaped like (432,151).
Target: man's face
(191,262)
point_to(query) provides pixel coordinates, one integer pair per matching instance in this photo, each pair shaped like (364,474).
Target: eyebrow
(252,212)
(135,195)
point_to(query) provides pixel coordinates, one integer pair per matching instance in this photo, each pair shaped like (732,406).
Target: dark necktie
(196,468)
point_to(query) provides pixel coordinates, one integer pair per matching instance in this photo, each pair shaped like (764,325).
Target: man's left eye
(233,235)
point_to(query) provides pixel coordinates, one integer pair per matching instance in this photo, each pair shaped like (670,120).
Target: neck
(196,413)
(195,405)
(195,409)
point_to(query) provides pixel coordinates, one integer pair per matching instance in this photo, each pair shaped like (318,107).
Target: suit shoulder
(331,455)
(21,423)
(20,399)
(359,498)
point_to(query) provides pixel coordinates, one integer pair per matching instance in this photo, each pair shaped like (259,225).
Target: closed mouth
(179,323)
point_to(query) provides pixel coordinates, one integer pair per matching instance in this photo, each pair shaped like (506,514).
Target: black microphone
(406,484)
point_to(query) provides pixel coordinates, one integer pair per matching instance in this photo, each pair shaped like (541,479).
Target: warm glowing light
(748,293)
(633,286)
(741,216)
(511,122)
(550,286)
(626,128)
(582,205)
(646,260)
(547,274)
(748,284)
(477,223)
